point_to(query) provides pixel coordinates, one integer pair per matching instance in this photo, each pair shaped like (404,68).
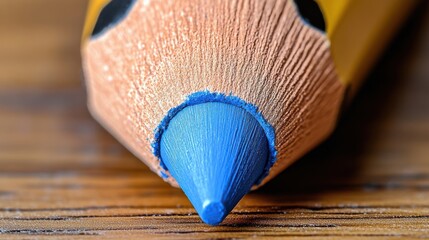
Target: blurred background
(54,155)
(39,43)
(44,123)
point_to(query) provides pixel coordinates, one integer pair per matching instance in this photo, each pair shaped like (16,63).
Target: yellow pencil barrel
(358,31)
(93,11)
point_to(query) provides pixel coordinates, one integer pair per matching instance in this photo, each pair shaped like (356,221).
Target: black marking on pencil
(311,13)
(112,14)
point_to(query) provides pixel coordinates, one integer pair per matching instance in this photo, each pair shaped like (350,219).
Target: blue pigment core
(216,152)
(204,97)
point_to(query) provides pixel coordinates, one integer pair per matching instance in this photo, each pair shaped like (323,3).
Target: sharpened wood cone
(216,152)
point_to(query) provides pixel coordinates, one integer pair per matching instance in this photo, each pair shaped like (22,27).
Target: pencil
(217,96)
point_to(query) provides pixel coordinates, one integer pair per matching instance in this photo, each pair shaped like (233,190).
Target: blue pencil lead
(216,152)
(213,212)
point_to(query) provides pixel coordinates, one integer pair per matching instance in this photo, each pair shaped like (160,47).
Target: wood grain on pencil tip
(153,59)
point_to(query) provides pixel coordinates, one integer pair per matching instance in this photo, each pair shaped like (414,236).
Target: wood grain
(63,177)
(153,60)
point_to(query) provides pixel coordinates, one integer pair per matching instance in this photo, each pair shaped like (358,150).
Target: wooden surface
(63,176)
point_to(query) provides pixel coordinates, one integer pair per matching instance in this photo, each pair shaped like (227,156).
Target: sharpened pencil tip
(213,213)
(216,152)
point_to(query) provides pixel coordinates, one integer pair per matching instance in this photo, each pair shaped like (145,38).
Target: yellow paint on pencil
(358,31)
(94,9)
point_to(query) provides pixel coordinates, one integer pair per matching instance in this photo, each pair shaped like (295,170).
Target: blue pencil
(218,97)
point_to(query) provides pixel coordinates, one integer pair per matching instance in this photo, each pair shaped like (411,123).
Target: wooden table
(63,176)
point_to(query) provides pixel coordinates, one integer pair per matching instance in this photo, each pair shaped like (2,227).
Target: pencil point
(213,212)
(216,152)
